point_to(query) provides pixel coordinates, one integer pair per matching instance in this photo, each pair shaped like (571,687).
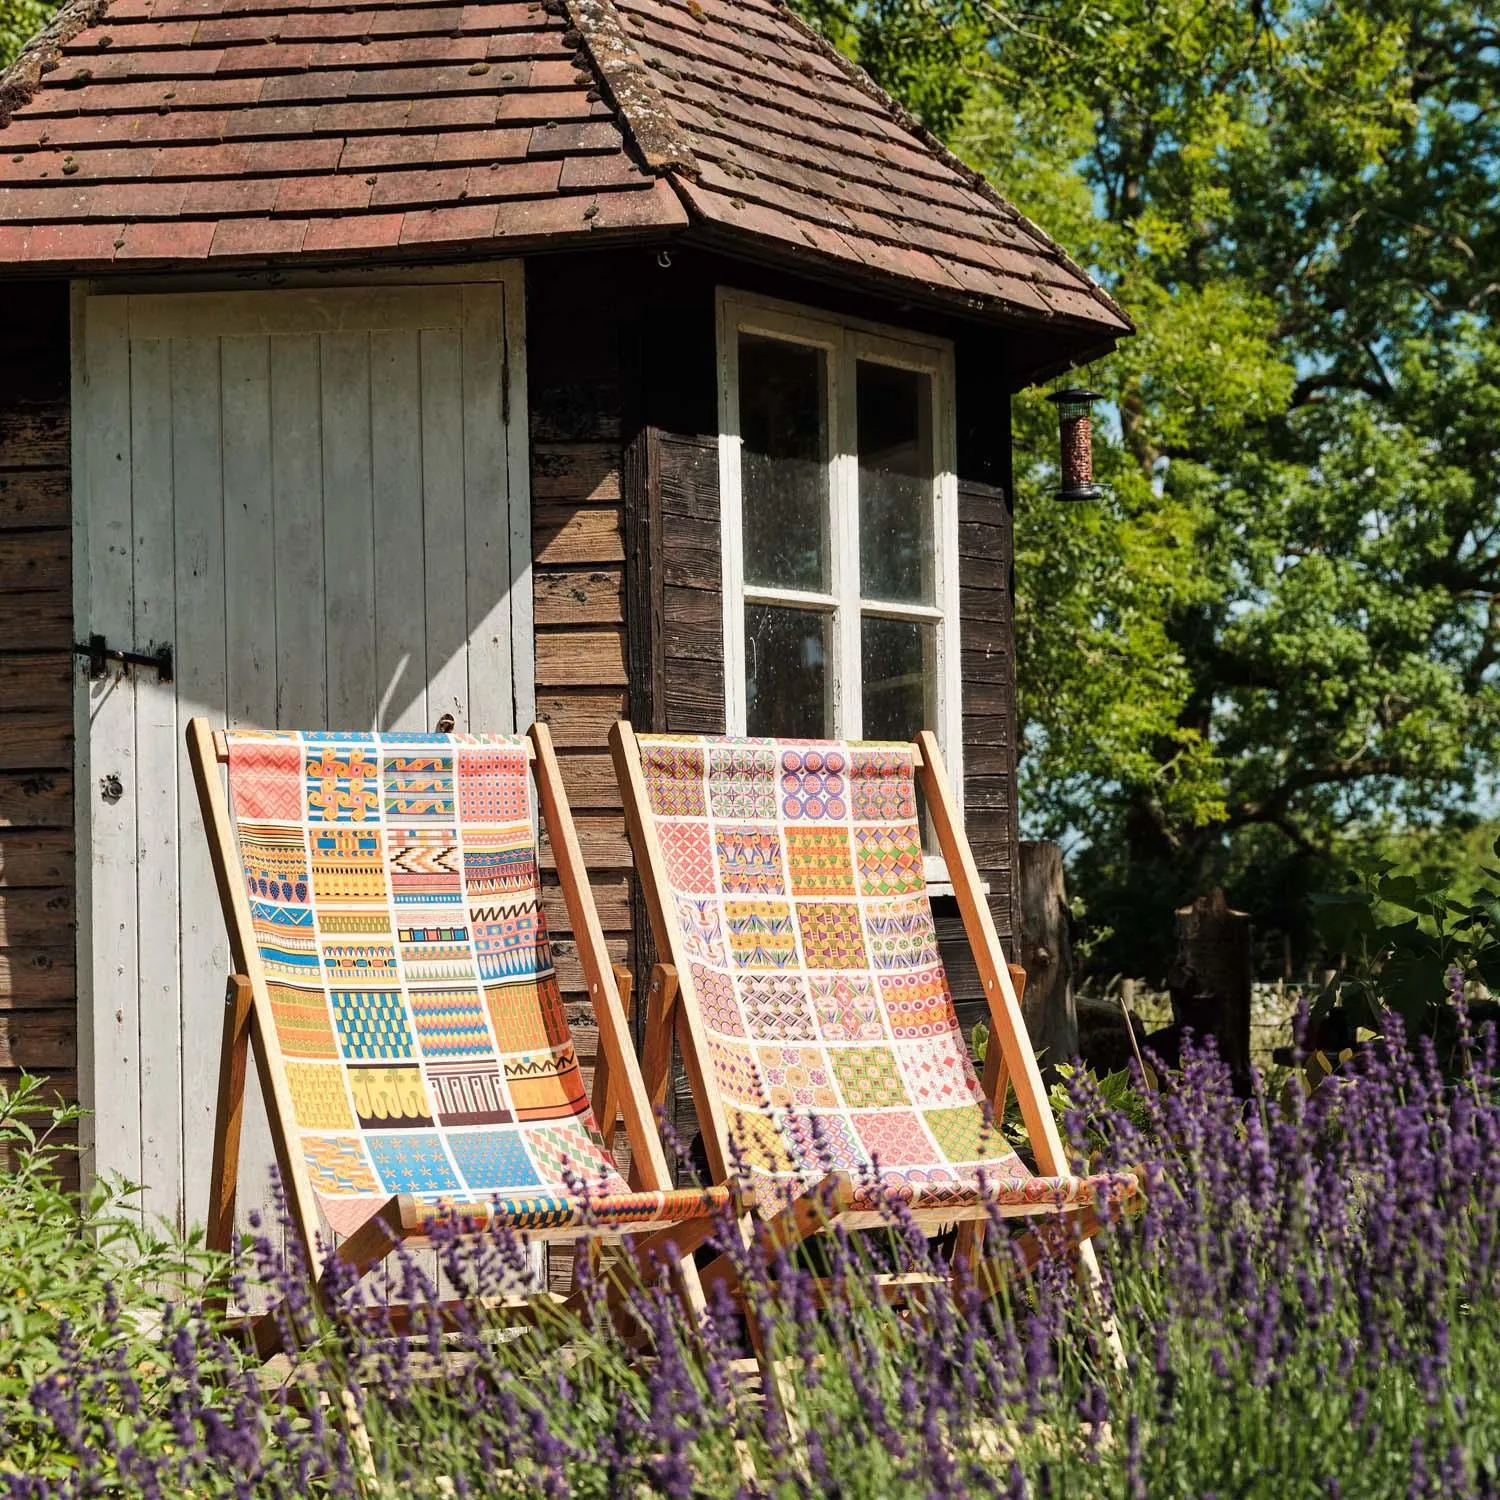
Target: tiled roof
(797,147)
(185,130)
(170,131)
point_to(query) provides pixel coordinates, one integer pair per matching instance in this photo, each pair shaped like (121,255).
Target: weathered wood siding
(578,550)
(38,1007)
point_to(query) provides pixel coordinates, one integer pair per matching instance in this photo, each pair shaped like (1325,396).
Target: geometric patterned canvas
(394,900)
(796,884)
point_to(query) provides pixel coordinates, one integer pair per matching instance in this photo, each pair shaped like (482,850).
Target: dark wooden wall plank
(987,672)
(574,317)
(38,981)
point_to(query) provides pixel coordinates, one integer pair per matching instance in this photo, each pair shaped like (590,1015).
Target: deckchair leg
(606,1100)
(656,1051)
(1077,1229)
(1093,1288)
(968,1244)
(606,1105)
(229,1113)
(648,1255)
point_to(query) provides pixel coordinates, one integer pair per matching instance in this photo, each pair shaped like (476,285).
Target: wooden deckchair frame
(249,1028)
(1009,1060)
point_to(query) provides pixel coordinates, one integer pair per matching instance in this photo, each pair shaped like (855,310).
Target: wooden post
(1210,978)
(1047,953)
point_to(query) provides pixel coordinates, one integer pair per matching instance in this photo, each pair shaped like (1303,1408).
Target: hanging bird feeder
(1076,441)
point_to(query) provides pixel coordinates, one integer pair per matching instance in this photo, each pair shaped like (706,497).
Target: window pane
(899,663)
(784,462)
(896,500)
(786,671)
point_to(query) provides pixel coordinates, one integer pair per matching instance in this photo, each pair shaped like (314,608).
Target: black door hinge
(100,654)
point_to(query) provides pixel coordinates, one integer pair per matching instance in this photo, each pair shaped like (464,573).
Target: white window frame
(846,341)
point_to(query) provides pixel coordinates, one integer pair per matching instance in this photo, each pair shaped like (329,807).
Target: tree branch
(1311,389)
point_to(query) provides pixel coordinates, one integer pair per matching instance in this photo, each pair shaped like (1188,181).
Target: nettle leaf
(1411,892)
(1413,983)
(1488,966)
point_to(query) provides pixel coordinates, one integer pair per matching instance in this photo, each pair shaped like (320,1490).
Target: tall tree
(1284,624)
(20,20)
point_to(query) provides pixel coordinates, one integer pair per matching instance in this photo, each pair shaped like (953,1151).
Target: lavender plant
(1308,1306)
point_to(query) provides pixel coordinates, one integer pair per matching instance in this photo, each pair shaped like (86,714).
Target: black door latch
(100,654)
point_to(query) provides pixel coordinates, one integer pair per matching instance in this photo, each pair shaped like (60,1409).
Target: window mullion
(731,522)
(761,593)
(890,610)
(947,594)
(850,718)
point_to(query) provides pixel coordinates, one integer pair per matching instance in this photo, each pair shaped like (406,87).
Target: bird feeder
(1076,443)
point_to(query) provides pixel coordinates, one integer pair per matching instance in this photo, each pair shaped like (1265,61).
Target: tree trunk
(1210,978)
(1047,953)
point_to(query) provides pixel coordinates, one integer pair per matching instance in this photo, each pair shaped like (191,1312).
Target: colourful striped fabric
(796,885)
(394,900)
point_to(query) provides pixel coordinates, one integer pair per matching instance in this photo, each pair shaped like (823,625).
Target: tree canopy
(1283,626)
(20,20)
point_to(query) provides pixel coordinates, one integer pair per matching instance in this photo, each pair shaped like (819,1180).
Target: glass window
(784,462)
(896,475)
(840,565)
(786,672)
(898,677)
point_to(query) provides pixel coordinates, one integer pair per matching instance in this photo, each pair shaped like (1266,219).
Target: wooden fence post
(1210,978)
(1047,953)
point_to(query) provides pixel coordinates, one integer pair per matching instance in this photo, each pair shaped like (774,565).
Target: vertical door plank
(249,532)
(486,515)
(297,505)
(110,993)
(202,680)
(155,790)
(443,524)
(250,654)
(348,532)
(518,499)
(400,587)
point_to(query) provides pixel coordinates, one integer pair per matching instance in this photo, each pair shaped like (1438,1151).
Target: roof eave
(425,253)
(976,179)
(1086,339)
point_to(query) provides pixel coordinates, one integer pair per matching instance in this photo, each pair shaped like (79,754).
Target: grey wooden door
(319,500)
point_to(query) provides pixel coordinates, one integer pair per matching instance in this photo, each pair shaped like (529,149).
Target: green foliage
(20,20)
(90,1273)
(1407,943)
(1282,628)
(921,51)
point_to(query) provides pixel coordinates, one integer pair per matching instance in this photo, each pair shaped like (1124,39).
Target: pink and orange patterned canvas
(395,906)
(796,885)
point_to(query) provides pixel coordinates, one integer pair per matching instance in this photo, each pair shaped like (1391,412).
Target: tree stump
(1047,953)
(1210,978)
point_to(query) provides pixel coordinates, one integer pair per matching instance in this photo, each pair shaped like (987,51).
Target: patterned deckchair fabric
(796,884)
(394,896)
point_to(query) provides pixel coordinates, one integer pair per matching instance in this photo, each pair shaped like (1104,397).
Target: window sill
(938,881)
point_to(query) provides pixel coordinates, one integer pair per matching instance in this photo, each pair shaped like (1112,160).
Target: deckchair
(784,880)
(393,977)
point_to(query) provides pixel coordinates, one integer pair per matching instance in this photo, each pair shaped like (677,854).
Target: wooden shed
(363,363)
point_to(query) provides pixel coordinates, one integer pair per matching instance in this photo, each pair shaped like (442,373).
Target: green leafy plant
(1307,1303)
(1406,945)
(1106,1100)
(77,1277)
